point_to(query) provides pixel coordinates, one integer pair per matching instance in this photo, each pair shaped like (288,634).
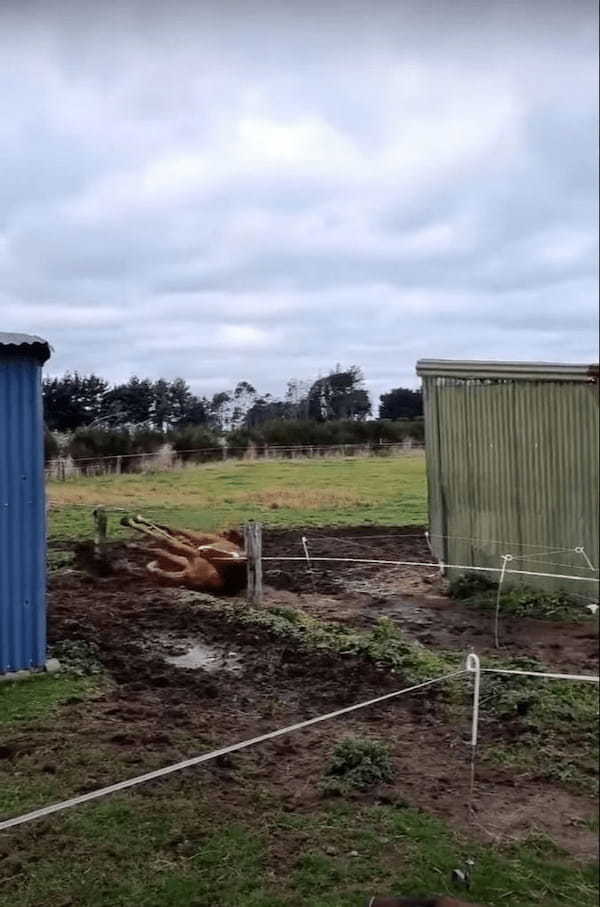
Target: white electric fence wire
(540,555)
(590,678)
(483,544)
(358,538)
(533,560)
(541,558)
(465,538)
(398,536)
(206,757)
(467,567)
(581,550)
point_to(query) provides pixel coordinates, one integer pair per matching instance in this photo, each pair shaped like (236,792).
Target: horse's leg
(197,538)
(162,534)
(158,568)
(157,529)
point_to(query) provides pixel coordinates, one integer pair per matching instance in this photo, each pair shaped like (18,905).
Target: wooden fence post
(253,544)
(100,521)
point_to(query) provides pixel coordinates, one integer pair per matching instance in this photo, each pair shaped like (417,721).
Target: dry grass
(303,498)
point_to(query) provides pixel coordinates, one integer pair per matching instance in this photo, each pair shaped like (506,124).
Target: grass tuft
(357,765)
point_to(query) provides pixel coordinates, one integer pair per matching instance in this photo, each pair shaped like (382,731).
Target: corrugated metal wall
(22,516)
(513,469)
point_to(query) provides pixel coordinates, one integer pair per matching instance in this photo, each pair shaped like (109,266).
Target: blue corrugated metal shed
(22,503)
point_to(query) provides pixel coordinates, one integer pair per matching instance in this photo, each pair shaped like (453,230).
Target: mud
(250,682)
(413,597)
(192,654)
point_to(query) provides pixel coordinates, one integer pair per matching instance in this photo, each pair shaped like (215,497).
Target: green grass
(173,851)
(383,491)
(40,695)
(554,725)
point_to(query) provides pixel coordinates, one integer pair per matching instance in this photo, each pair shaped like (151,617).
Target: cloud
(203,192)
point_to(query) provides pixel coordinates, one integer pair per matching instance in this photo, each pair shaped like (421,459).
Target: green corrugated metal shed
(512,466)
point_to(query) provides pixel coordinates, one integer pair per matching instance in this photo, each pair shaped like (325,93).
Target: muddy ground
(415,598)
(248,682)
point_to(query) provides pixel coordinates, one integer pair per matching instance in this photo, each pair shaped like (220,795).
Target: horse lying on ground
(205,562)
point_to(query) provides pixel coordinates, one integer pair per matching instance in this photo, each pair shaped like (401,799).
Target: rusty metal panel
(513,469)
(22,512)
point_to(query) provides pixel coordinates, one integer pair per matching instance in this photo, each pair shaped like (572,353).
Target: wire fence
(472,667)
(166,458)
(593,573)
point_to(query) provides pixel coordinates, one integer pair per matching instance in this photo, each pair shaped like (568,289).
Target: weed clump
(78,657)
(386,645)
(551,726)
(516,600)
(357,765)
(59,560)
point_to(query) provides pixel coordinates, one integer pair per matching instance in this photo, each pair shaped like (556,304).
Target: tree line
(76,401)
(140,414)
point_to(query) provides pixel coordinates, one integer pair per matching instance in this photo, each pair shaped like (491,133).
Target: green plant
(470,585)
(386,646)
(516,600)
(78,657)
(553,725)
(58,560)
(357,765)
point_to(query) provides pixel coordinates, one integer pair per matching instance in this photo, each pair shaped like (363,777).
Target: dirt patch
(164,711)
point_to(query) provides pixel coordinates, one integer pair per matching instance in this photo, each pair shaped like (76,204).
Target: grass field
(382,491)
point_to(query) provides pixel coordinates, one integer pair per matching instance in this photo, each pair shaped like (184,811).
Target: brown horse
(206,562)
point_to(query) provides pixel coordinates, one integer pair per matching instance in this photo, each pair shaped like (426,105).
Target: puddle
(193,654)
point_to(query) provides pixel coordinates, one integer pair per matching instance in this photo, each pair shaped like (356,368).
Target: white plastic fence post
(473,667)
(506,558)
(308,563)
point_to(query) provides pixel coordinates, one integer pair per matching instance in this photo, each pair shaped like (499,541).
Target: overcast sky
(262,191)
